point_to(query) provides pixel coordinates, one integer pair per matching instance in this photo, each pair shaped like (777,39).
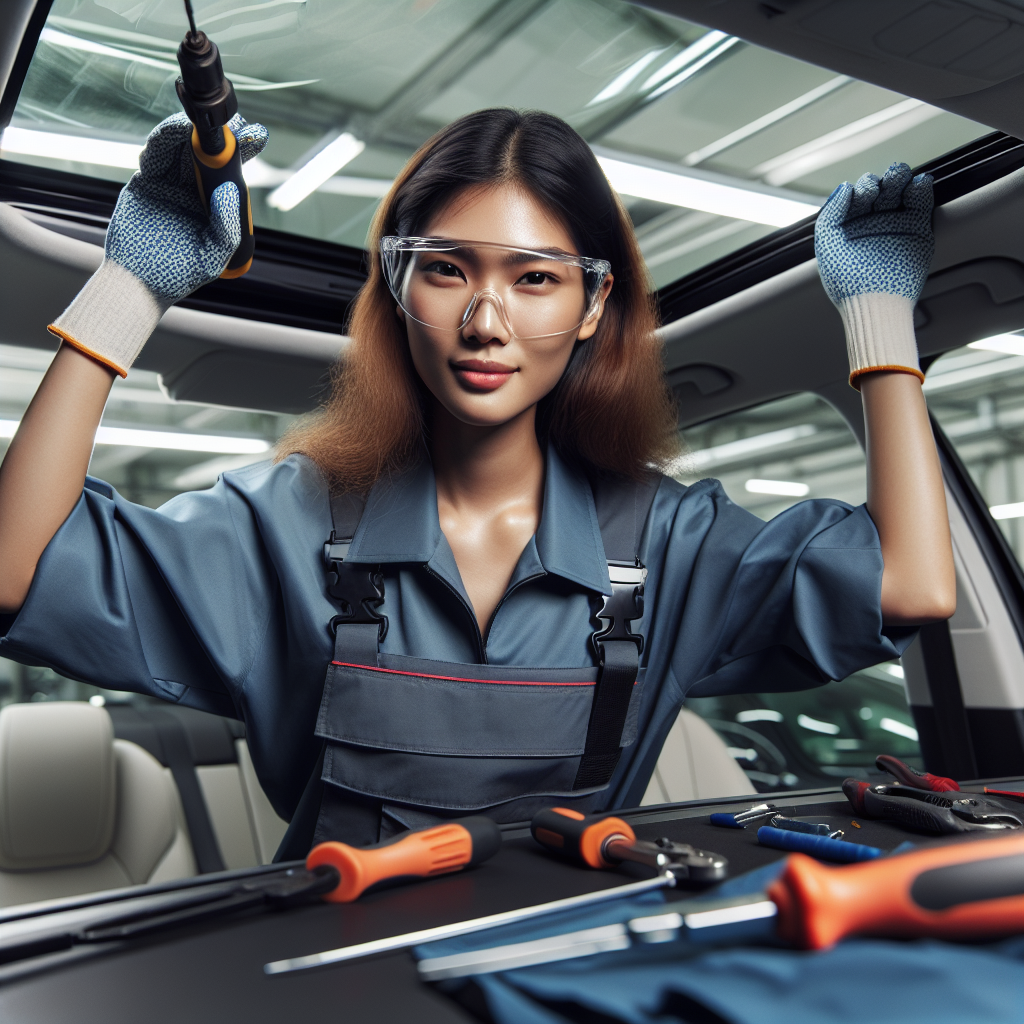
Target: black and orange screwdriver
(208,98)
(971,889)
(603,841)
(425,853)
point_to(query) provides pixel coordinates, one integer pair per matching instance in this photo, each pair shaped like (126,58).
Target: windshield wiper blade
(34,937)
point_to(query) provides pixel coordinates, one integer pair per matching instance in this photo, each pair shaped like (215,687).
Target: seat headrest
(58,788)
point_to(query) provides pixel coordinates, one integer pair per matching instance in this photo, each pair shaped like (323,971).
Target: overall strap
(358,591)
(622,510)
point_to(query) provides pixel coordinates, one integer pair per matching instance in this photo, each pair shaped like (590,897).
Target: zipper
(481,640)
(469,611)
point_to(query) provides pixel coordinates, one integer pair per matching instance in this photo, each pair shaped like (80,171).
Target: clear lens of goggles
(445,284)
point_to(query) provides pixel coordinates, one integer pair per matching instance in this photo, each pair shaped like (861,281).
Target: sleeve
(783,605)
(170,602)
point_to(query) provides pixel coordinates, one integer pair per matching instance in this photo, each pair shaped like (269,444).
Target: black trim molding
(963,170)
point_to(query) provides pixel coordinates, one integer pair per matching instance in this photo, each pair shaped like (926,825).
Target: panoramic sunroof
(712,142)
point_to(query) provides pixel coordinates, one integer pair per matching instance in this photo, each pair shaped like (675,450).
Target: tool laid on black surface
(423,853)
(741,819)
(962,890)
(602,841)
(903,773)
(1007,794)
(209,100)
(942,812)
(811,828)
(824,847)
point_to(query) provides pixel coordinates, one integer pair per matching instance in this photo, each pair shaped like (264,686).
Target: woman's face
(483,374)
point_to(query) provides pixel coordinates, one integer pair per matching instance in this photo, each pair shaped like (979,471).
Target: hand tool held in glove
(437,850)
(601,841)
(965,890)
(208,99)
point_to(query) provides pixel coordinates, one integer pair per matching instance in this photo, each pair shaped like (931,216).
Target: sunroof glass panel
(651,93)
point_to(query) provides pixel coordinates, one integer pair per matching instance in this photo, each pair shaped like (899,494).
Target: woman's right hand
(161,246)
(160,231)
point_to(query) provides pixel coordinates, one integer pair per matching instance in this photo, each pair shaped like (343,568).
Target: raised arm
(874,246)
(160,246)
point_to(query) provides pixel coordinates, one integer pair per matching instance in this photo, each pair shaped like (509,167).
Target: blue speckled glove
(160,246)
(874,245)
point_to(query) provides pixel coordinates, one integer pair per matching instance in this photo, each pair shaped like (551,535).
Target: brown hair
(610,412)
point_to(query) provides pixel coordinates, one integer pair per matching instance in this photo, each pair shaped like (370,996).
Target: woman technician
(509,604)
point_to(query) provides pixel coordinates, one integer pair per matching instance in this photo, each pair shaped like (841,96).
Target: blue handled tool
(741,819)
(816,846)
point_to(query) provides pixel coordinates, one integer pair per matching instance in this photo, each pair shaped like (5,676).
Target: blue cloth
(884,982)
(218,600)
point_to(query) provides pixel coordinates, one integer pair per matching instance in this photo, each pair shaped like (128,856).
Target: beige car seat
(695,764)
(81,811)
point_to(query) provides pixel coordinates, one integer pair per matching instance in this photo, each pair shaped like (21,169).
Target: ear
(590,324)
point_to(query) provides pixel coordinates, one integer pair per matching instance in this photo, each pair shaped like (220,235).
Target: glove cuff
(112,317)
(880,334)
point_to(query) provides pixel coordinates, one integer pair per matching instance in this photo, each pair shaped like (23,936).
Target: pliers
(946,812)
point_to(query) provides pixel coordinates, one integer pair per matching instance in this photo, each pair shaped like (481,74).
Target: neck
(484,466)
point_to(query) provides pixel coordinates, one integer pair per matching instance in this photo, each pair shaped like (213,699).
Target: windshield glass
(712,142)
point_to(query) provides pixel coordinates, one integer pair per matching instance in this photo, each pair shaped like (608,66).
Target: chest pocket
(448,739)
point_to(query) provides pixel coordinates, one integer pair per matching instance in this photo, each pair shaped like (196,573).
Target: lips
(482,374)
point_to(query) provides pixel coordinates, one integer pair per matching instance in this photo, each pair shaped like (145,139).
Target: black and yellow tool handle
(580,837)
(212,171)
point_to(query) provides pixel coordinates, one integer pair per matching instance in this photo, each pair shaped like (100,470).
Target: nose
(486,322)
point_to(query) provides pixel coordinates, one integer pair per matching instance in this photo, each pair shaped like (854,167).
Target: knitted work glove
(160,246)
(874,245)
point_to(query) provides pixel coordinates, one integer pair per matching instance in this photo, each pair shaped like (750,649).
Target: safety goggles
(445,283)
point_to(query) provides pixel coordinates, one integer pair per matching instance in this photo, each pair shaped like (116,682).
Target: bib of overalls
(409,742)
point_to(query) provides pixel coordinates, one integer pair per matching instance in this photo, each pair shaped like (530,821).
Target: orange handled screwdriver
(965,890)
(603,841)
(437,850)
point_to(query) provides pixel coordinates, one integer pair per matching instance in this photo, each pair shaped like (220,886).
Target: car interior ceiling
(771,334)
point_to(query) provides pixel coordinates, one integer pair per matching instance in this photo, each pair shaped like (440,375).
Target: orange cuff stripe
(75,343)
(884,369)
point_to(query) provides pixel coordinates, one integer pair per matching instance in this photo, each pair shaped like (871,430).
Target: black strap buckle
(360,592)
(624,606)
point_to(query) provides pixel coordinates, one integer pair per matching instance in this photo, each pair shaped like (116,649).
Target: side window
(768,458)
(977,395)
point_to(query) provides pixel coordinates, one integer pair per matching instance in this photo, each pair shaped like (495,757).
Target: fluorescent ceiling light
(308,178)
(259,174)
(687,63)
(76,148)
(758,715)
(243,83)
(773,116)
(789,488)
(166,439)
(844,142)
(704,192)
(894,670)
(908,732)
(1011,344)
(1015,510)
(622,81)
(815,726)
(704,458)
(971,374)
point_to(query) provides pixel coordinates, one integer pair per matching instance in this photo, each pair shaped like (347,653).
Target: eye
(535,277)
(443,269)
